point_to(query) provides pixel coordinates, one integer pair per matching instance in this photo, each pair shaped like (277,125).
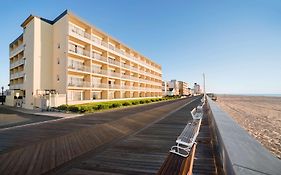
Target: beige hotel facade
(79,63)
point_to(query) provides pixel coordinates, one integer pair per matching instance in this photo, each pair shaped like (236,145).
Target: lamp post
(2,95)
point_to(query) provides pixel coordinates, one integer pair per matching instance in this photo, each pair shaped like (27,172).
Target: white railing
(112,61)
(114,74)
(78,50)
(16,86)
(99,71)
(125,76)
(77,31)
(79,84)
(114,86)
(125,87)
(18,49)
(17,63)
(79,67)
(100,85)
(99,57)
(17,75)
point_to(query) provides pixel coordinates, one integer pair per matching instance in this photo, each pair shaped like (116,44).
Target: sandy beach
(260,116)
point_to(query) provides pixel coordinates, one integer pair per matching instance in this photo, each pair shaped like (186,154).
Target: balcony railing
(99,57)
(100,85)
(17,63)
(17,75)
(114,86)
(16,86)
(112,61)
(18,49)
(125,76)
(99,71)
(75,30)
(114,74)
(78,50)
(79,67)
(79,84)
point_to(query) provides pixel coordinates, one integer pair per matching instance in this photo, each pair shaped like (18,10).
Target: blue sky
(236,43)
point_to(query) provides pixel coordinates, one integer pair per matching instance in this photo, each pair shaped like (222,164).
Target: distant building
(183,88)
(174,87)
(165,88)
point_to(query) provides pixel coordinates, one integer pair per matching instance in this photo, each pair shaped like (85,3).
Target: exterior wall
(183,88)
(60,47)
(29,54)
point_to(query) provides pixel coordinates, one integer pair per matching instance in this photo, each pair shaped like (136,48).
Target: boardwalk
(60,146)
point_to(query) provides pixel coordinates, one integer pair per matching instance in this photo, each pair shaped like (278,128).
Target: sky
(236,43)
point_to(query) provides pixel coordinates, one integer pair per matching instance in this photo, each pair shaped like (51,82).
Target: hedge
(96,106)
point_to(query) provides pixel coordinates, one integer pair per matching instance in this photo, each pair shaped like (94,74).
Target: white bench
(186,139)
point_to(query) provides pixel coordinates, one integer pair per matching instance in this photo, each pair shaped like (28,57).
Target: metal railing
(77,31)
(99,57)
(17,75)
(19,48)
(79,67)
(16,86)
(79,83)
(17,63)
(78,50)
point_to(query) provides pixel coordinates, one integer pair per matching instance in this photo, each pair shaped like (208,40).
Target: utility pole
(204,84)
(2,95)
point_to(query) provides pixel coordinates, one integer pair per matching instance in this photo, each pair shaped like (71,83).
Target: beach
(259,115)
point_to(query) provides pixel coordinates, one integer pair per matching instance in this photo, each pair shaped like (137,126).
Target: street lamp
(2,95)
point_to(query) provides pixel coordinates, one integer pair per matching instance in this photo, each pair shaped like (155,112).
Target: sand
(260,116)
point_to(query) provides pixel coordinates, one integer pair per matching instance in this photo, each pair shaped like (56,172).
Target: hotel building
(69,56)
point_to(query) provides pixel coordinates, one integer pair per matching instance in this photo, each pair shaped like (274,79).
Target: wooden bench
(186,139)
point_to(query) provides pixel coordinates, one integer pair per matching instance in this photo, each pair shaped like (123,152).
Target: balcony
(17,75)
(125,87)
(99,71)
(78,50)
(83,84)
(79,67)
(114,62)
(114,86)
(17,50)
(125,76)
(114,74)
(99,57)
(16,86)
(17,63)
(78,32)
(99,86)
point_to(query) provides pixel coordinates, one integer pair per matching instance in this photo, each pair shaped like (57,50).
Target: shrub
(147,101)
(73,108)
(142,101)
(152,100)
(136,102)
(126,103)
(103,106)
(116,105)
(85,108)
(62,107)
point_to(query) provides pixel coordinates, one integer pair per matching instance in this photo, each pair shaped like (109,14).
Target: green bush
(136,102)
(116,105)
(74,108)
(152,100)
(85,108)
(62,107)
(142,101)
(126,103)
(147,101)
(103,106)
